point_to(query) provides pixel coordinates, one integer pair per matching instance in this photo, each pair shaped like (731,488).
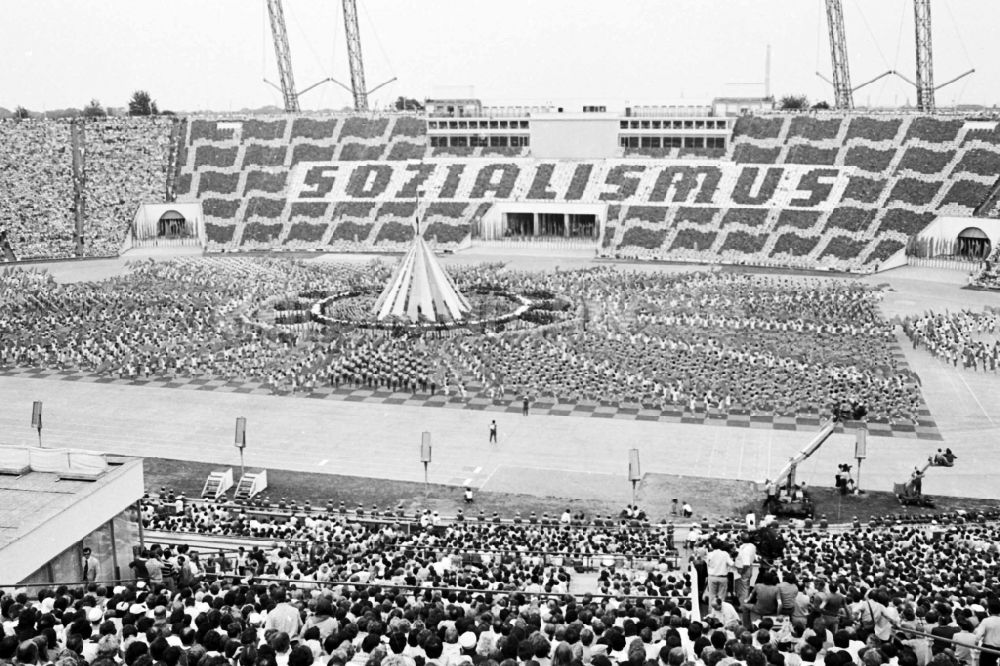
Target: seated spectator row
(862,597)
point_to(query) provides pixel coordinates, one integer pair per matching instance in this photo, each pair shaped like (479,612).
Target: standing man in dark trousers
(493,432)
(524,409)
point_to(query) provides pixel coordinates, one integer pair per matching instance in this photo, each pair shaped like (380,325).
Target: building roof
(29,500)
(420,290)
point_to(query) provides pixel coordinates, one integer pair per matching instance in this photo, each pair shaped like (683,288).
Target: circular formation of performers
(700,342)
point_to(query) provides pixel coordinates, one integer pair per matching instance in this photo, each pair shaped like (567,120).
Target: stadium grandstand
(443,332)
(847,192)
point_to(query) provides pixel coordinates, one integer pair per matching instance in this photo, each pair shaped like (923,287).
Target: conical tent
(420,290)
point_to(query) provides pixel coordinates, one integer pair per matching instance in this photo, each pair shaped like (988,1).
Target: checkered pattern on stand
(476,400)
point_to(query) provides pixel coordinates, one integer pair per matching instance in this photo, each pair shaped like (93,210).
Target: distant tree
(794,103)
(94,110)
(21,112)
(821,106)
(142,104)
(408,104)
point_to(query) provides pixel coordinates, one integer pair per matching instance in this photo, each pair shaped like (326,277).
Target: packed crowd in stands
(36,178)
(965,337)
(357,593)
(687,341)
(989,276)
(124,164)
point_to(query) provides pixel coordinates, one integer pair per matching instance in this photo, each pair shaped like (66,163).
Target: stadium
(671,384)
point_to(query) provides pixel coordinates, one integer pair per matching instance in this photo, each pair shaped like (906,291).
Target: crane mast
(842,94)
(358,86)
(283,55)
(925,56)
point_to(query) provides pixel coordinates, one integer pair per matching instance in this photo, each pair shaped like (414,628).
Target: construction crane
(283,55)
(843,96)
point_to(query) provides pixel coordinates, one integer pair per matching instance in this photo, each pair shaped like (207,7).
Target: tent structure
(420,290)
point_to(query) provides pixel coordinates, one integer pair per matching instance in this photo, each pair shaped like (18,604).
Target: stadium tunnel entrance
(173,225)
(973,243)
(549,225)
(572,222)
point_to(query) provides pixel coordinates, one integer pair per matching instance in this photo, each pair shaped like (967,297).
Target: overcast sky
(213,54)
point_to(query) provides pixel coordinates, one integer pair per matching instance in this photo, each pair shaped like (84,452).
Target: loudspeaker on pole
(425,447)
(634,474)
(36,415)
(241,432)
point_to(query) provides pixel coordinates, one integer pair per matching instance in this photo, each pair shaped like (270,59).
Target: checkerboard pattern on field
(476,400)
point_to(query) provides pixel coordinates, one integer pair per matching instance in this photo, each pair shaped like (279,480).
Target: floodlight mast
(283,55)
(358,87)
(925,56)
(843,95)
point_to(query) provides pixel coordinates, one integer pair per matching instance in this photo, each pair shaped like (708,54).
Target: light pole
(634,475)
(425,458)
(241,441)
(36,419)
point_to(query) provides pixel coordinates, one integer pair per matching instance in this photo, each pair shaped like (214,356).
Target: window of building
(503,124)
(645,124)
(699,124)
(524,124)
(439,141)
(688,124)
(622,124)
(675,142)
(715,142)
(459,142)
(635,124)
(656,124)
(633,142)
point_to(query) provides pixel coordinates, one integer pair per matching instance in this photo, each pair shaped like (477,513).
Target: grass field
(713,498)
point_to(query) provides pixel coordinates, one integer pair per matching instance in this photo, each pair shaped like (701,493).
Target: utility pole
(358,86)
(283,55)
(843,97)
(925,56)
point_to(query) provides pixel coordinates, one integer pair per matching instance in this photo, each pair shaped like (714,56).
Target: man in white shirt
(746,557)
(719,562)
(725,613)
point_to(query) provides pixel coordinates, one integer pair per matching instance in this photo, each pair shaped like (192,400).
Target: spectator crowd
(357,592)
(124,163)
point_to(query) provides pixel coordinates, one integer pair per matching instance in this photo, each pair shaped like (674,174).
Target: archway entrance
(973,243)
(172,225)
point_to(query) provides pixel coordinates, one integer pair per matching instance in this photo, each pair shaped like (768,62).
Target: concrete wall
(576,136)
